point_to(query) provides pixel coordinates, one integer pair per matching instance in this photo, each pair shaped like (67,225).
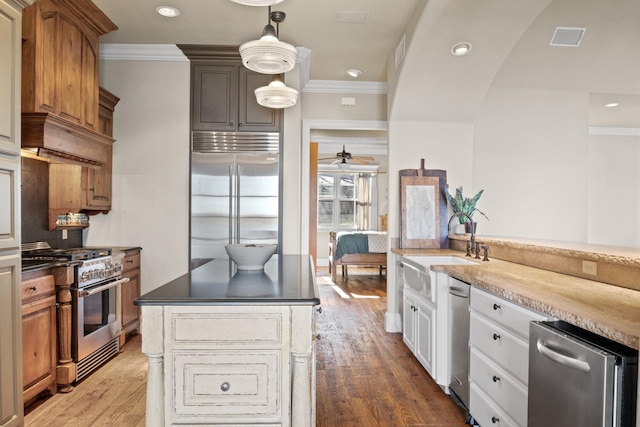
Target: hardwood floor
(365,376)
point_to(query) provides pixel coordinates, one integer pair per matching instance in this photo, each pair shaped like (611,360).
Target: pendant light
(269,55)
(276,94)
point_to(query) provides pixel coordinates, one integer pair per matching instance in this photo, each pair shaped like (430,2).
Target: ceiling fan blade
(359,161)
(327,158)
(363,157)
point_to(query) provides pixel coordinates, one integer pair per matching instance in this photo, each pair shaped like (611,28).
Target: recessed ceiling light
(168,11)
(611,105)
(461,49)
(354,72)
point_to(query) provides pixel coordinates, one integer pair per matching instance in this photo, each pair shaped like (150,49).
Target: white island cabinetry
(223,360)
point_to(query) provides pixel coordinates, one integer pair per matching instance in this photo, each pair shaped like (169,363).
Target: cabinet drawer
(131,262)
(36,288)
(211,386)
(227,327)
(504,348)
(499,386)
(485,410)
(505,313)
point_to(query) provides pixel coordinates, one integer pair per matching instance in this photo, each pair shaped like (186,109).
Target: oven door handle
(93,291)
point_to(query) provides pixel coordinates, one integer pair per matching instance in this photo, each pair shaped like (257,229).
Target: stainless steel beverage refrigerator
(235,193)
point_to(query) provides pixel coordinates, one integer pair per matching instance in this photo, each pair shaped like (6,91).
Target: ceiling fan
(344,157)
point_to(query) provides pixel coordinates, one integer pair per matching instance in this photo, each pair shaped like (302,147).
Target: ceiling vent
(567,37)
(351,17)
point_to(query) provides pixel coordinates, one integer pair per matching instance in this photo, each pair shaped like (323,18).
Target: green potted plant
(465,205)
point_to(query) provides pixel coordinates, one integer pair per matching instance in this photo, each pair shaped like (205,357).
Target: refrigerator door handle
(237,193)
(231,213)
(570,362)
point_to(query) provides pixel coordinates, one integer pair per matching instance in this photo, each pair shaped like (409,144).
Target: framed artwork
(423,208)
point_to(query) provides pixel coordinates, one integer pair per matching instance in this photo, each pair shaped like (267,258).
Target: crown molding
(172,53)
(141,52)
(614,131)
(344,86)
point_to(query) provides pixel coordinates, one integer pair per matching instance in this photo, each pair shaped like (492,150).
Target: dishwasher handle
(570,362)
(458,292)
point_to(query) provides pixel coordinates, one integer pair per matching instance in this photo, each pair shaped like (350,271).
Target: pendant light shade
(257,2)
(269,55)
(276,95)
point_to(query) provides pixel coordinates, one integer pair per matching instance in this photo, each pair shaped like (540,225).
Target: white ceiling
(510,45)
(335,46)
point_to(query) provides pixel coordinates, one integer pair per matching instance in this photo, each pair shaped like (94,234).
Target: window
(337,199)
(346,199)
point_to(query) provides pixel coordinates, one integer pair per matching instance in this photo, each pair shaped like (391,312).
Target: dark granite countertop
(286,280)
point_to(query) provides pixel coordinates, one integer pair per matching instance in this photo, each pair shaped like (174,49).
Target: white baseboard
(392,322)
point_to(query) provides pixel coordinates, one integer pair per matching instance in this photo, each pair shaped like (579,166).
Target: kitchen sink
(418,275)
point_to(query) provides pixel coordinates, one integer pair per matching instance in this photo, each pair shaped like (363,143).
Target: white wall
(530,154)
(614,179)
(150,206)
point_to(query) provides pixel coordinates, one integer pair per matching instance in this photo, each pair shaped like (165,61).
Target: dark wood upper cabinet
(222,92)
(223,99)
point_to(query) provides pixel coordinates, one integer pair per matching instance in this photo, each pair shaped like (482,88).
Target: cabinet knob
(129,261)
(496,337)
(496,379)
(32,288)
(225,386)
(319,309)
(496,306)
(92,189)
(495,420)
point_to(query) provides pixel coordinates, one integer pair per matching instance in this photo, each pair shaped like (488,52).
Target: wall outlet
(590,267)
(64,234)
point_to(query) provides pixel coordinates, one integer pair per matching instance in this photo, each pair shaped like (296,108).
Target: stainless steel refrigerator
(235,191)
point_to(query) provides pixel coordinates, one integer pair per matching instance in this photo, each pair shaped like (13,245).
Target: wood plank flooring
(365,376)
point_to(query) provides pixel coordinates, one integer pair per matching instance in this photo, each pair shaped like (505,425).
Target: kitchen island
(232,347)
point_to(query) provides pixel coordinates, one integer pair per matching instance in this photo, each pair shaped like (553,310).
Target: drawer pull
(32,288)
(496,337)
(496,379)
(319,309)
(225,386)
(495,420)
(496,306)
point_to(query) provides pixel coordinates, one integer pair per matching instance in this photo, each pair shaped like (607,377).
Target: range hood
(61,141)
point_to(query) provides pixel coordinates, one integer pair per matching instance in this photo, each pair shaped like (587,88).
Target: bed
(361,248)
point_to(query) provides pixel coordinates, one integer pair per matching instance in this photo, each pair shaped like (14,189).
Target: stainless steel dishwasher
(577,378)
(459,340)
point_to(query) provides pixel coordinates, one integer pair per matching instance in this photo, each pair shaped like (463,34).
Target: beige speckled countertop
(608,310)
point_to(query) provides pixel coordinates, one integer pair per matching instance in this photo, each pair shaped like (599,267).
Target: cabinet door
(214,97)
(9,202)
(96,184)
(425,337)
(130,291)
(251,115)
(39,347)
(10,341)
(10,24)
(409,321)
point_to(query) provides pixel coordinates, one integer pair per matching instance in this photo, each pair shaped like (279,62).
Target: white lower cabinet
(419,327)
(230,365)
(498,359)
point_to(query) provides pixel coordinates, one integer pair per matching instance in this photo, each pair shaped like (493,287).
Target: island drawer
(227,327)
(211,386)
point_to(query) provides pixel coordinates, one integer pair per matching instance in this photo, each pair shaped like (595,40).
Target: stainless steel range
(95,294)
